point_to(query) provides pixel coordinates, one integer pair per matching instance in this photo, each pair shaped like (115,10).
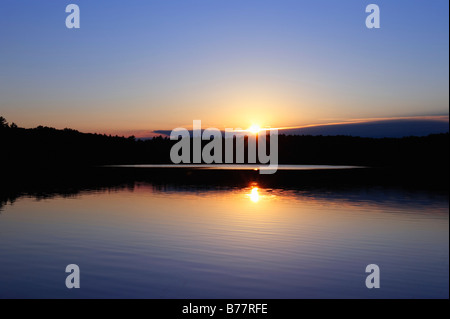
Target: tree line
(46,146)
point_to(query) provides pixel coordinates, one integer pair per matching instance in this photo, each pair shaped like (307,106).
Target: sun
(254,129)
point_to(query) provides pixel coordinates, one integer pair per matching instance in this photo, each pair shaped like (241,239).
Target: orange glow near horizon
(141,132)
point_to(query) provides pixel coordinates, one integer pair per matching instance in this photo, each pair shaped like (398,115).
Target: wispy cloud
(154,133)
(441,118)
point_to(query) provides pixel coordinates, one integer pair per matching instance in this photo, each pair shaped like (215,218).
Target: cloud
(374,127)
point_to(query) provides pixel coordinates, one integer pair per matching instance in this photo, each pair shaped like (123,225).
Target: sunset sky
(159,64)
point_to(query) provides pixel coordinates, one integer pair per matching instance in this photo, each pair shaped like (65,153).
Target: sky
(139,65)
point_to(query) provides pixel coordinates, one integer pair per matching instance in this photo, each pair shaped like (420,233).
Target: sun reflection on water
(258,194)
(254,195)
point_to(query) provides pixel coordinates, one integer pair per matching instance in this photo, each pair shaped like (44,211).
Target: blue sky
(144,65)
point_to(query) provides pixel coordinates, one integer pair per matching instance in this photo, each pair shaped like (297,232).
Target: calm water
(235,167)
(147,241)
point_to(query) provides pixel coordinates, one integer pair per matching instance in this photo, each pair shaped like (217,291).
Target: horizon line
(144,133)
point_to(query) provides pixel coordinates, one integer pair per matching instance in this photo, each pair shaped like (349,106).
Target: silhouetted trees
(3,122)
(46,146)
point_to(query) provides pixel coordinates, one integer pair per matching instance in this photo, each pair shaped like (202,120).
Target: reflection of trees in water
(353,186)
(49,193)
(6,201)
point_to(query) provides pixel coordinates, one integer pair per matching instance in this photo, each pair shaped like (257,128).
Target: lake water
(235,167)
(143,240)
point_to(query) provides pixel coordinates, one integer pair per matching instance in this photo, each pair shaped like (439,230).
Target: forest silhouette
(45,162)
(50,147)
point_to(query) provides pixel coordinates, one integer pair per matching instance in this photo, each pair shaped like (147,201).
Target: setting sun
(254,129)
